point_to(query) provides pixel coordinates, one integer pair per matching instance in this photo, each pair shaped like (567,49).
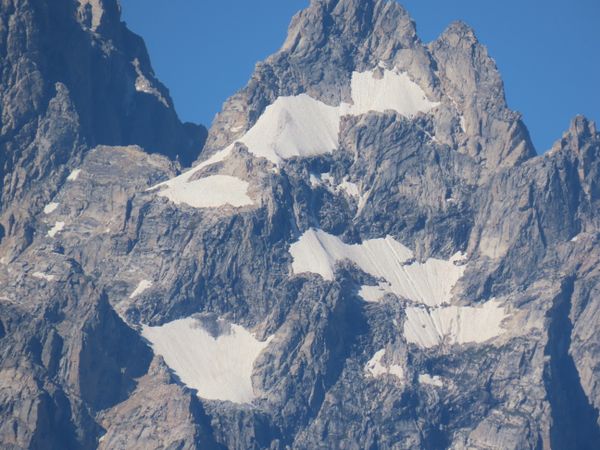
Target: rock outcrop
(368,240)
(73,77)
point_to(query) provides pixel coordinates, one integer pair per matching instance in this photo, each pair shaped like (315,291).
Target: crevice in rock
(574,419)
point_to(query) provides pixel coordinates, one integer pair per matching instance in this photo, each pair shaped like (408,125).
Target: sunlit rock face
(367,253)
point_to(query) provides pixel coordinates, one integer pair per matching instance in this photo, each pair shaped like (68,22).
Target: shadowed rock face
(434,172)
(73,76)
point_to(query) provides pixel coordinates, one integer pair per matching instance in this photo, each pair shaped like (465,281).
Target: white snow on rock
(323,179)
(294,126)
(394,90)
(429,283)
(186,176)
(458,257)
(50,207)
(463,124)
(57,228)
(328,181)
(141,287)
(350,188)
(314,180)
(219,368)
(300,126)
(74,175)
(211,192)
(376,368)
(374,294)
(453,324)
(43,276)
(436,381)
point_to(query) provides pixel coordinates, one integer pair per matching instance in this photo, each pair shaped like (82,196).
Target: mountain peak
(331,40)
(352,21)
(364,239)
(460,33)
(582,127)
(580,132)
(94,14)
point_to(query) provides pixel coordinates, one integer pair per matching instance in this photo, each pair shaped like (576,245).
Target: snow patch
(43,276)
(294,126)
(211,192)
(186,176)
(429,283)
(315,182)
(141,287)
(436,381)
(218,367)
(300,126)
(74,175)
(57,228)
(50,207)
(350,188)
(377,369)
(392,91)
(429,328)
(458,258)
(374,294)
(328,181)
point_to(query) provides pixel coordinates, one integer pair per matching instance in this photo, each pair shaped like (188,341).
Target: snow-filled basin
(218,366)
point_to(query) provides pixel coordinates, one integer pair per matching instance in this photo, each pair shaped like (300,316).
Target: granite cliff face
(73,77)
(367,253)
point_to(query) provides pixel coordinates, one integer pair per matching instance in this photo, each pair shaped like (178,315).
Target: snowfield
(210,192)
(454,324)
(294,126)
(428,283)
(299,126)
(302,126)
(219,368)
(394,91)
(431,322)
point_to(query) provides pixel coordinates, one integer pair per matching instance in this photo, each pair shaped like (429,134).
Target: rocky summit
(364,251)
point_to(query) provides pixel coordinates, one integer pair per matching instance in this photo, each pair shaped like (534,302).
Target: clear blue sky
(547,50)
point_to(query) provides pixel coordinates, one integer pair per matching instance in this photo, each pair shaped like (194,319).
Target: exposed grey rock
(74,369)
(73,76)
(159,414)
